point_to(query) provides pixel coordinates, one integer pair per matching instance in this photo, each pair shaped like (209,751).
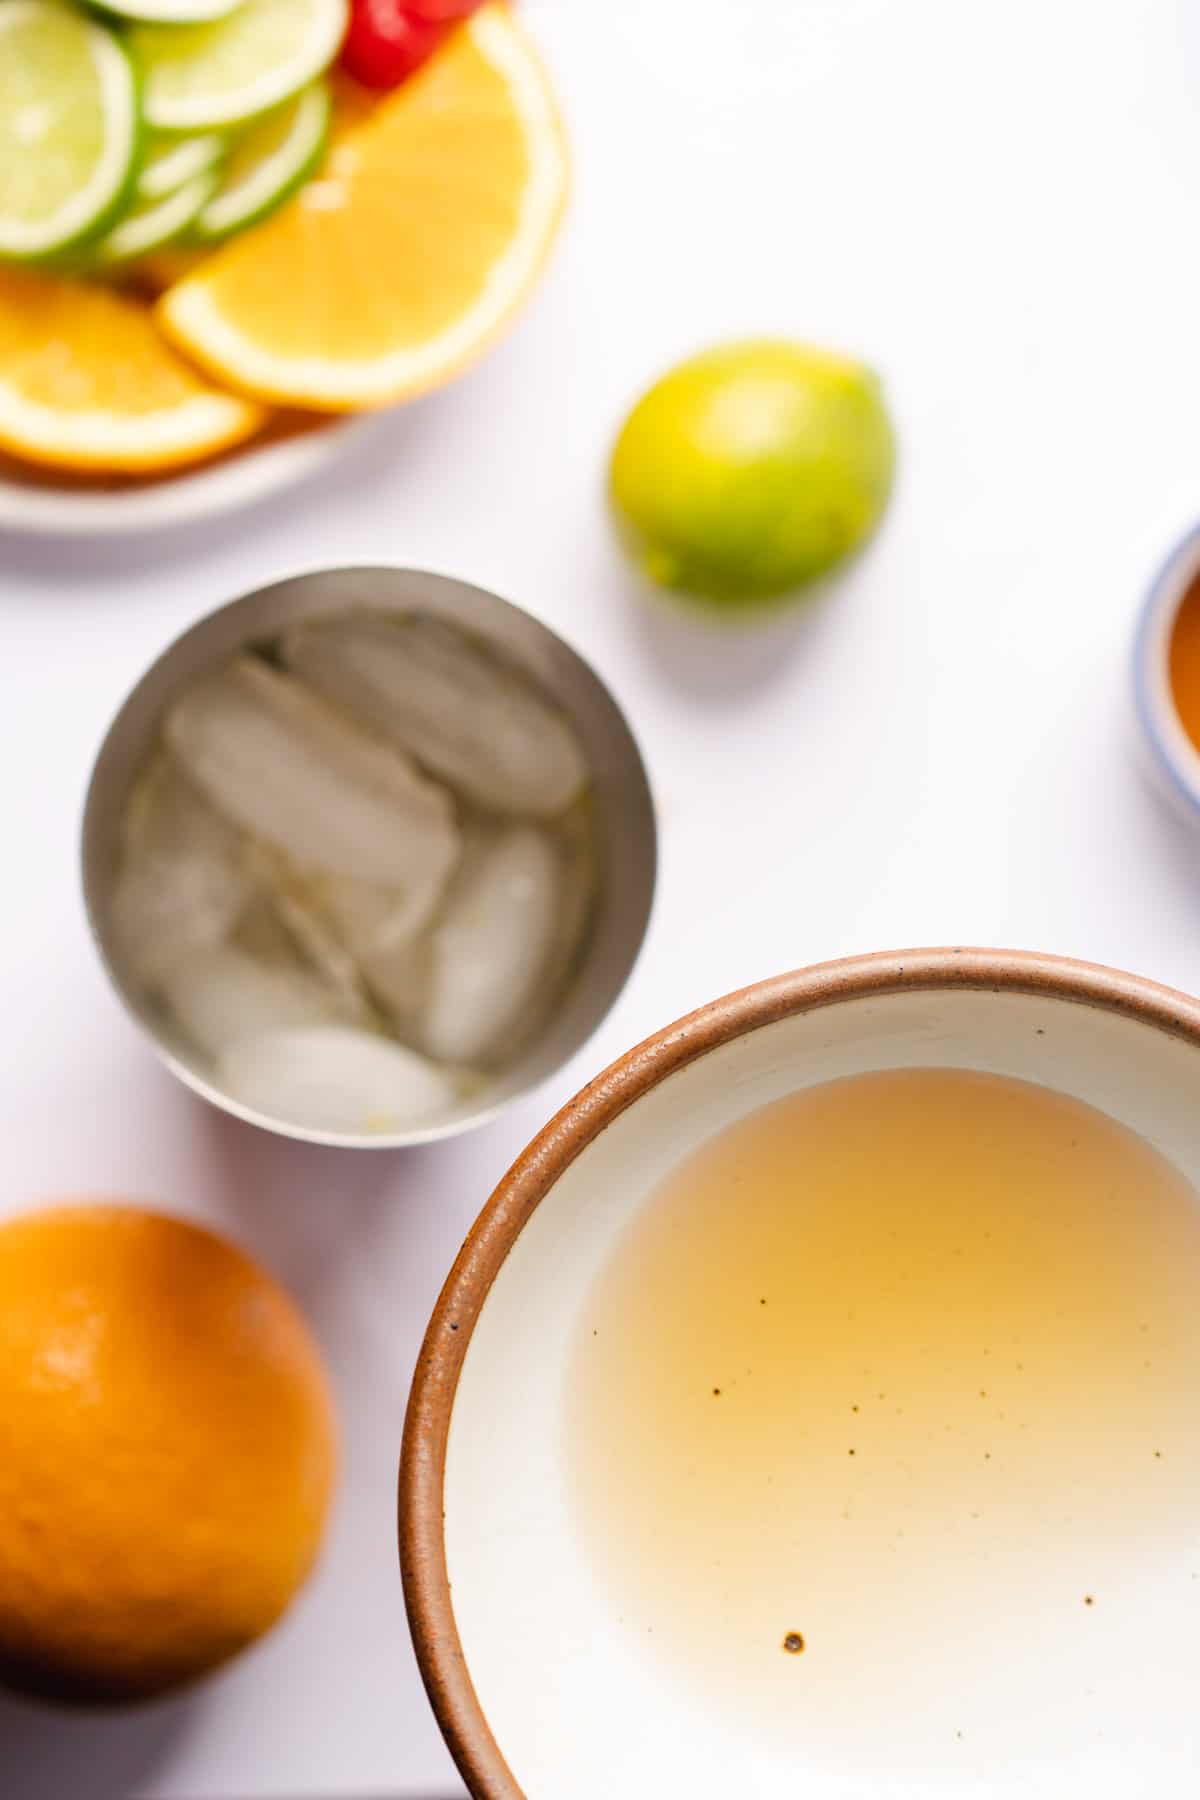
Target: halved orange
(87,382)
(401,263)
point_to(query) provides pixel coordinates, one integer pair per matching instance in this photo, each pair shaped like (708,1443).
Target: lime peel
(69,127)
(205,77)
(156,223)
(268,165)
(751,470)
(172,162)
(168,12)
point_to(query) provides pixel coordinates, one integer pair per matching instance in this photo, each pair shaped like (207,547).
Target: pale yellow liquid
(906,1366)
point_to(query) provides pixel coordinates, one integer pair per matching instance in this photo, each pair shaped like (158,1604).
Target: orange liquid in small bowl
(1184,662)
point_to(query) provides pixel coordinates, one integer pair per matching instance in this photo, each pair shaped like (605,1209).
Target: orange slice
(87,382)
(401,263)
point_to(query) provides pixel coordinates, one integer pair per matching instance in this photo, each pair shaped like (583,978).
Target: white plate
(39,509)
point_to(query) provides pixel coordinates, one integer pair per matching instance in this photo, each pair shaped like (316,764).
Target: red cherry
(386,42)
(439,12)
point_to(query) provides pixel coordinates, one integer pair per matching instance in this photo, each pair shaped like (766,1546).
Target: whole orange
(167,1452)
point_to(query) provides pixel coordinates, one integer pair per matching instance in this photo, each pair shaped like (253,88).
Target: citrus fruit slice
(402,262)
(267,164)
(153,223)
(170,162)
(86,382)
(201,77)
(68,126)
(168,12)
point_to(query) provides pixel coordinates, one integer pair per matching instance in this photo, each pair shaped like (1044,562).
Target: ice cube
(333,1078)
(399,981)
(386,933)
(221,996)
(296,773)
(287,927)
(465,714)
(364,941)
(495,945)
(261,932)
(376,920)
(182,879)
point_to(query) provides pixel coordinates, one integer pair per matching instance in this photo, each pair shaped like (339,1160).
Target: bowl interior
(576,1697)
(624,813)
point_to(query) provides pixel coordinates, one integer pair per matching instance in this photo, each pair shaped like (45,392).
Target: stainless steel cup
(625,825)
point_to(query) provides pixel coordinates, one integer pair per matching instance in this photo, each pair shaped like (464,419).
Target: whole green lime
(753,468)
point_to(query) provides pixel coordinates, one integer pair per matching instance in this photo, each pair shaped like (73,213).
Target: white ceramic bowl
(542,1692)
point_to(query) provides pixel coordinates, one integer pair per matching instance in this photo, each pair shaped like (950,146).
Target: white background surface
(997,207)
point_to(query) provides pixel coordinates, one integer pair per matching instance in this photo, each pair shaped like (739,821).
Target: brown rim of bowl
(427,1424)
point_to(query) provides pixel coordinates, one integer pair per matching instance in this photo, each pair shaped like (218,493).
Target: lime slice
(267,165)
(170,162)
(153,223)
(169,12)
(68,126)
(201,77)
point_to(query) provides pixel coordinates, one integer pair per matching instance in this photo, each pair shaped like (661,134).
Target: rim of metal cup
(1175,756)
(532,1180)
(625,810)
